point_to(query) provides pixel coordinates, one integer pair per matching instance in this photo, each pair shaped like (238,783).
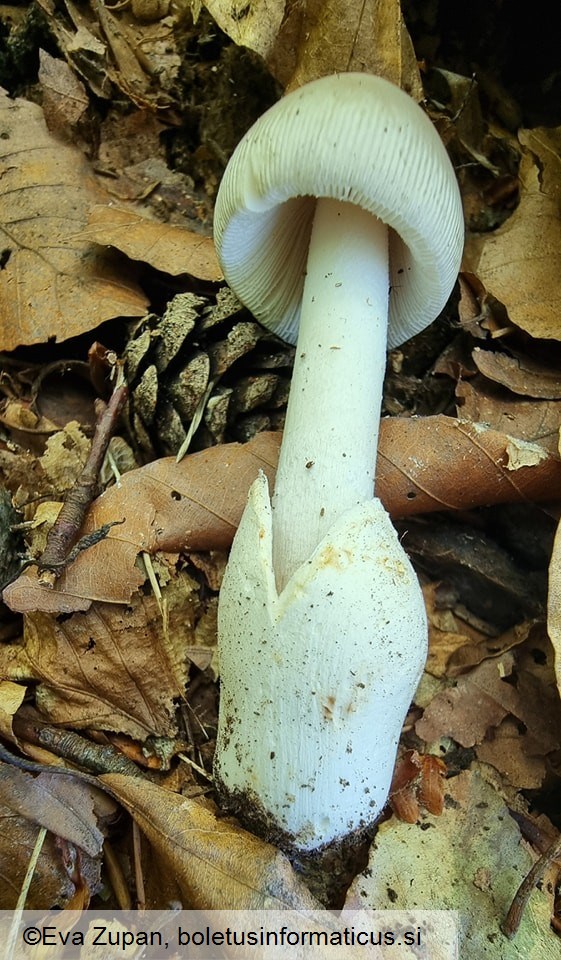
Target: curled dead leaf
(164,246)
(520,263)
(418,781)
(62,805)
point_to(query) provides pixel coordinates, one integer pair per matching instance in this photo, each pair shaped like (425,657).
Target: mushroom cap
(356,138)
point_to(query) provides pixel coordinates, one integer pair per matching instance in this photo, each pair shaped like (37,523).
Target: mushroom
(338,223)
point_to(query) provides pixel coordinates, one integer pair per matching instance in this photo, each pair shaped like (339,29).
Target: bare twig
(514,916)
(62,547)
(96,757)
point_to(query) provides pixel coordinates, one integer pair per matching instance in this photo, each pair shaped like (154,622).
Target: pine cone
(206,367)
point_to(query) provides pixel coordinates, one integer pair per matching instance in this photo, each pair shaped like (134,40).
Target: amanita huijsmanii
(339,225)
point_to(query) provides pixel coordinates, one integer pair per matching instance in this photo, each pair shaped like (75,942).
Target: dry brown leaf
(215,863)
(521,374)
(107,50)
(481,582)
(65,455)
(475,704)
(302,40)
(322,37)
(535,422)
(508,707)
(64,98)
(513,753)
(432,463)
(418,781)
(78,39)
(113,668)
(52,284)
(121,41)
(50,883)
(449,636)
(60,804)
(164,246)
(403,790)
(476,649)
(520,264)
(432,785)
(439,463)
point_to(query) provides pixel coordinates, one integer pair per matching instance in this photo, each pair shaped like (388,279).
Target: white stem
(328,454)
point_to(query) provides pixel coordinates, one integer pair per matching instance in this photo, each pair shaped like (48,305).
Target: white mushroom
(339,194)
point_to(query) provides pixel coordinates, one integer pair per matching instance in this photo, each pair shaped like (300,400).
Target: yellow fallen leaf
(11,699)
(216,864)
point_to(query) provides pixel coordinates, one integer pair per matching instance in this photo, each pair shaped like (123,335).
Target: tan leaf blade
(302,41)
(62,805)
(440,463)
(51,284)
(520,263)
(366,37)
(216,864)
(513,725)
(432,463)
(164,246)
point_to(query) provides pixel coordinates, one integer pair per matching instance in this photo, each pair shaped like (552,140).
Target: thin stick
(116,877)
(64,533)
(514,916)
(138,875)
(197,417)
(195,766)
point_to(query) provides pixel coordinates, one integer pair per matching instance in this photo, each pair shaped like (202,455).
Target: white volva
(316,681)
